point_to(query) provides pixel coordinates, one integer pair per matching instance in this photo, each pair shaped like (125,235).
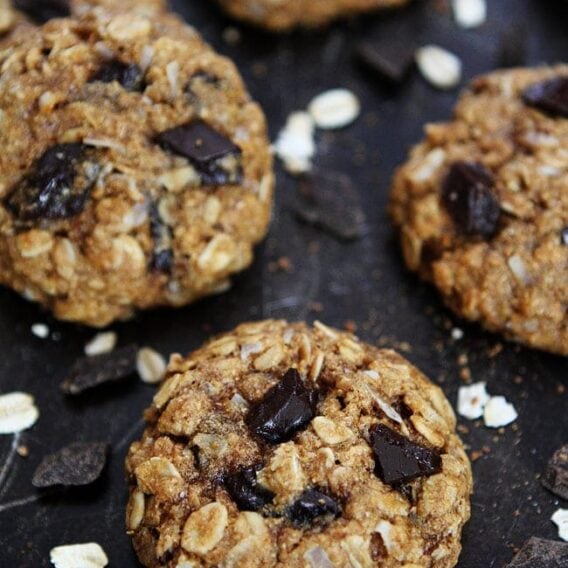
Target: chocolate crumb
(555,477)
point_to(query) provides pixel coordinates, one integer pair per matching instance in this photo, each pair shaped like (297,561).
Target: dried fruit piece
(80,463)
(216,158)
(549,96)
(287,408)
(90,372)
(555,476)
(310,505)
(45,10)
(469,199)
(17,412)
(58,186)
(88,555)
(398,460)
(246,491)
(541,553)
(129,75)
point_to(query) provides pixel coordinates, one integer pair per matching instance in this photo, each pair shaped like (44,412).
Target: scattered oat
(334,109)
(151,365)
(457,333)
(88,555)
(560,519)
(439,67)
(472,400)
(498,412)
(40,330)
(101,343)
(469,13)
(295,144)
(17,412)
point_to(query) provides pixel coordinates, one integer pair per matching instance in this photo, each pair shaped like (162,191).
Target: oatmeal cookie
(135,169)
(282,15)
(482,206)
(296,446)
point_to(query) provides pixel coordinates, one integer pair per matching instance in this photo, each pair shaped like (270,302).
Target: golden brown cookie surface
(135,169)
(289,445)
(482,206)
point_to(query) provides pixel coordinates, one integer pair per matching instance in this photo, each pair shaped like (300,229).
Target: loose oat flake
(498,412)
(151,365)
(469,13)
(439,67)
(101,343)
(472,400)
(334,109)
(17,412)
(88,555)
(295,144)
(560,519)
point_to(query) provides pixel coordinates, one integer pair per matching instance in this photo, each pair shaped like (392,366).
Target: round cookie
(282,15)
(295,446)
(135,169)
(482,206)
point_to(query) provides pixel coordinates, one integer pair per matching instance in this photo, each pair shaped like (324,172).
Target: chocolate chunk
(215,157)
(43,10)
(90,372)
(513,47)
(310,505)
(390,62)
(564,236)
(329,201)
(555,476)
(286,408)
(80,463)
(246,491)
(398,460)
(58,186)
(129,75)
(549,96)
(468,197)
(541,553)
(162,254)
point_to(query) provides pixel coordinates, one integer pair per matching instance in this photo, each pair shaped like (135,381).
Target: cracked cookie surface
(291,445)
(482,206)
(282,15)
(135,169)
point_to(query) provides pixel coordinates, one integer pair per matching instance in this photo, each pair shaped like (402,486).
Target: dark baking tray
(363,281)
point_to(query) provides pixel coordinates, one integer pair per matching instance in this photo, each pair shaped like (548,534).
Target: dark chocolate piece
(541,553)
(286,409)
(391,63)
(43,10)
(90,372)
(398,460)
(80,463)
(469,199)
(57,187)
(129,75)
(246,491)
(329,201)
(549,96)
(215,157)
(310,505)
(162,254)
(555,476)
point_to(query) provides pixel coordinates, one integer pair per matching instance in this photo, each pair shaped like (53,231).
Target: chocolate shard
(246,491)
(469,199)
(390,62)
(129,75)
(541,553)
(549,96)
(287,408)
(57,187)
(328,200)
(162,254)
(214,156)
(43,10)
(80,463)
(555,476)
(398,460)
(90,372)
(311,505)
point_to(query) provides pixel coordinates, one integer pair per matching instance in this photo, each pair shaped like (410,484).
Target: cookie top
(283,15)
(135,169)
(288,445)
(482,206)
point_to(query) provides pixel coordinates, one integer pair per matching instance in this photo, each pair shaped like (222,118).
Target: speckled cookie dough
(135,169)
(482,206)
(282,15)
(295,446)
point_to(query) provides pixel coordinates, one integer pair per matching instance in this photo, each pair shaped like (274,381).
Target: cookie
(296,446)
(284,15)
(482,206)
(135,169)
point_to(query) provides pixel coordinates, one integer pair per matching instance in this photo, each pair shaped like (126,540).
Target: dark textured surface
(362,281)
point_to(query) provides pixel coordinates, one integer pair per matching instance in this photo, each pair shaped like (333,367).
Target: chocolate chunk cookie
(294,446)
(282,15)
(482,206)
(135,169)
